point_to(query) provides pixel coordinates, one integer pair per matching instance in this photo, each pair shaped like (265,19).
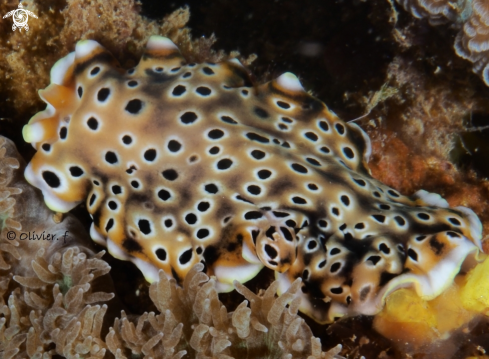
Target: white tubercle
(33,133)
(160,43)
(86,47)
(236,61)
(290,82)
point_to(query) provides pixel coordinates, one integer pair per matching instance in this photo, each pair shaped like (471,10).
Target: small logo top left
(20,17)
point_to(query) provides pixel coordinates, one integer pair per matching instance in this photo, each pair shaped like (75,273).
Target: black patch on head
(103,94)
(76,171)
(204,91)
(211,255)
(299,168)
(150,155)
(211,188)
(51,179)
(131,245)
(228,119)
(436,246)
(179,90)
(252,215)
(111,157)
(186,256)
(255,137)
(170,174)
(188,117)
(161,254)
(134,106)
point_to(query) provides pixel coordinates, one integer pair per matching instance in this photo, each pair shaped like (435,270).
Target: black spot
(92,123)
(299,200)
(324,126)
(291,223)
(254,190)
(174,146)
(345,200)
(175,69)
(312,245)
(95,71)
(436,246)
(252,215)
(170,174)
(211,188)
(164,194)
(144,226)
(168,223)
(193,158)
(134,106)
(159,69)
(285,144)
(454,221)
(135,184)
(374,259)
(188,117)
(400,221)
(312,161)
(214,150)
(63,132)
(257,154)
(281,214)
(103,94)
(312,136)
(312,187)
(383,248)
(224,164)
(203,206)
(384,206)
(80,91)
(423,216)
(51,179)
(199,250)
(127,140)
(92,200)
(283,127)
(150,155)
(359,226)
(179,90)
(393,193)
(228,119)
(334,251)
(76,171)
(95,182)
(215,134)
(335,211)
(379,218)
(116,189)
(111,157)
(325,149)
(186,75)
(286,119)
(131,169)
(204,91)
(420,238)
(161,254)
(360,182)
(276,141)
(322,223)
(377,194)
(261,112)
(46,147)
(132,83)
(112,205)
(185,257)
(287,234)
(109,225)
(264,174)
(191,218)
(335,267)
(305,274)
(342,227)
(255,137)
(299,168)
(412,254)
(270,231)
(453,234)
(340,128)
(202,233)
(282,104)
(208,71)
(322,264)
(271,252)
(348,152)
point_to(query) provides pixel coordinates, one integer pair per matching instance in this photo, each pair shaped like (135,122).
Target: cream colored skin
(181,163)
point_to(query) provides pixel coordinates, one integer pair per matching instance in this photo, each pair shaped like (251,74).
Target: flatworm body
(185,163)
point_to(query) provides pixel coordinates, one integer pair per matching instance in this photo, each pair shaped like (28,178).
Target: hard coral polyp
(185,163)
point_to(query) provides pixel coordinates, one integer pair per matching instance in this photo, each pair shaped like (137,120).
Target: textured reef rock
(188,164)
(472,42)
